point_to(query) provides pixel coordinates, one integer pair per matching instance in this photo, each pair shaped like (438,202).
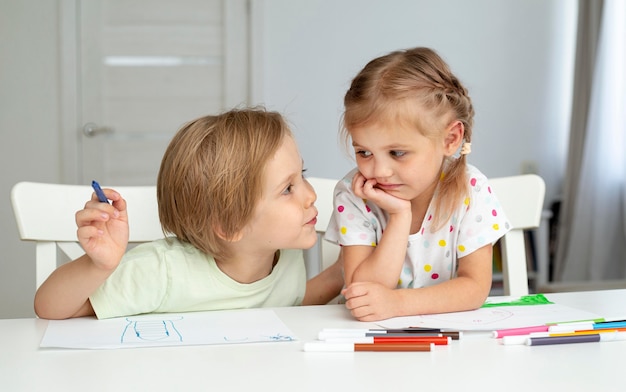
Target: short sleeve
(353,221)
(485,221)
(138,285)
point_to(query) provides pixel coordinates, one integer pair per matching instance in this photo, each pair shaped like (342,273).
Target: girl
(231,192)
(416,222)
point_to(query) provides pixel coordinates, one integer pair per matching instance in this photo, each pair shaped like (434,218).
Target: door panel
(147,67)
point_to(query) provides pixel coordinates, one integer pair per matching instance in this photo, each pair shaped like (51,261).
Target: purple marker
(542,341)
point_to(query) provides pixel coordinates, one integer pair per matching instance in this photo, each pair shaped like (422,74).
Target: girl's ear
(454,138)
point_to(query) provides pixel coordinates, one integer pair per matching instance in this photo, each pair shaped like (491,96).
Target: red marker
(437,340)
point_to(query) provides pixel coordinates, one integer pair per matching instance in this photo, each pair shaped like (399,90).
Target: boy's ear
(233,238)
(454,137)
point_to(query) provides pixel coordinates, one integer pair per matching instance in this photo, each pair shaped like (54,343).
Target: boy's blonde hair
(211,175)
(415,88)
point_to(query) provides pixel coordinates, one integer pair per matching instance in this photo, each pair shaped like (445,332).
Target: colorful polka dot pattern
(431,256)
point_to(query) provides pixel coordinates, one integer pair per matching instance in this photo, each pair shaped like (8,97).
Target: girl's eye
(288,189)
(363,153)
(397,154)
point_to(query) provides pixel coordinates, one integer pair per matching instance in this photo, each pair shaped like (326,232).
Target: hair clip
(466,148)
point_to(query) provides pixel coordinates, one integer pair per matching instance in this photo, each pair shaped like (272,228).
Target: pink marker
(519,331)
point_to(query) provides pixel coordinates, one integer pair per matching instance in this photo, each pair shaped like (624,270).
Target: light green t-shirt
(170,276)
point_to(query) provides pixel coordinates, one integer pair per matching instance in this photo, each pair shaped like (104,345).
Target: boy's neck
(248,268)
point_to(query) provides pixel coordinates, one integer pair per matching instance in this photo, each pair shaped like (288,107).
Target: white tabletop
(475,362)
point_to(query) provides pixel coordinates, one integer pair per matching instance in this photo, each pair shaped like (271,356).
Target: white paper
(493,318)
(179,329)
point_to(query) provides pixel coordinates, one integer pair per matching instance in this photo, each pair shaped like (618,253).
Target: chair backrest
(45,214)
(521,197)
(323,253)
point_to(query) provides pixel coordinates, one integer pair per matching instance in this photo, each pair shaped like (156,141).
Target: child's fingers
(354,290)
(110,194)
(368,187)
(358,182)
(86,233)
(89,215)
(116,199)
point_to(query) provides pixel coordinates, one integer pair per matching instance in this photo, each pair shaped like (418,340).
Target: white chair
(520,196)
(323,253)
(522,199)
(45,214)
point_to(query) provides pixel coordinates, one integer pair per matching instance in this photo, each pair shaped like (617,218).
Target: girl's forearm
(455,295)
(66,292)
(384,264)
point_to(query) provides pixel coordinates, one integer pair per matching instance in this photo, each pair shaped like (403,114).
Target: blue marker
(610,324)
(99,193)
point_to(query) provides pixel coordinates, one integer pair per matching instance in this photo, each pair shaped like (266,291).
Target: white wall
(29,130)
(513,55)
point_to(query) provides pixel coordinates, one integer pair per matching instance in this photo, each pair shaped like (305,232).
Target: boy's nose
(311,196)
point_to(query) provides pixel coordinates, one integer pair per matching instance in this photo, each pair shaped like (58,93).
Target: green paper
(536,299)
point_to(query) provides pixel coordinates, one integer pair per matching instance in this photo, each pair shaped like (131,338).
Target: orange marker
(347,347)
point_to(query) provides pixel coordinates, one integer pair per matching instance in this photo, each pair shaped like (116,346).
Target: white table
(477,363)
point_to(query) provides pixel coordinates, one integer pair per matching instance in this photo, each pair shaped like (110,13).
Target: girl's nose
(381,168)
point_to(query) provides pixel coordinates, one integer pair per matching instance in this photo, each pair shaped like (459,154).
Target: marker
(519,331)
(521,339)
(328,333)
(569,327)
(454,335)
(610,324)
(99,192)
(574,323)
(436,340)
(409,330)
(611,320)
(586,332)
(381,330)
(517,340)
(585,338)
(348,347)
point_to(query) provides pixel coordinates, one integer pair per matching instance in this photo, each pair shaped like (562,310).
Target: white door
(145,67)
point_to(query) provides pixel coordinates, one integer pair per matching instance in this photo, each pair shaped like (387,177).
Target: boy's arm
(103,234)
(371,301)
(65,294)
(326,285)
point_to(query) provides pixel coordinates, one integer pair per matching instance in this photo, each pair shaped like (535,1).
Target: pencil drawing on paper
(168,329)
(280,338)
(147,329)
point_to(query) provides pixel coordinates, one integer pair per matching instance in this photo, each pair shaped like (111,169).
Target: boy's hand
(103,230)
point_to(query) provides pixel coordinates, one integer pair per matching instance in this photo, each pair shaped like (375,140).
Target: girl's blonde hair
(211,175)
(415,88)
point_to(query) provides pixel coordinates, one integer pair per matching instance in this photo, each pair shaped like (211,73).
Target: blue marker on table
(99,192)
